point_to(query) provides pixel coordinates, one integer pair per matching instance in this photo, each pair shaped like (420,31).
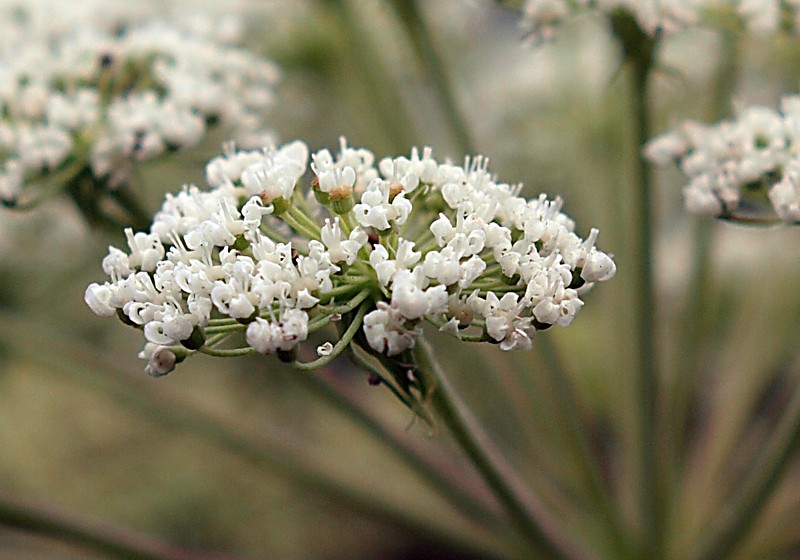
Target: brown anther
(395,189)
(295,256)
(315,183)
(265,199)
(341,192)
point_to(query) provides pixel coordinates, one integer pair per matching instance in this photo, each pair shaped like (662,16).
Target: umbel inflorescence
(268,256)
(745,169)
(84,100)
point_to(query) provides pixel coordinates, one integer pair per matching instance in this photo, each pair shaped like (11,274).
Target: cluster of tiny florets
(267,257)
(90,97)
(745,169)
(541,18)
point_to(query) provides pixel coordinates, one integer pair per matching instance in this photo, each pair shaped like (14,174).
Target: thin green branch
(340,346)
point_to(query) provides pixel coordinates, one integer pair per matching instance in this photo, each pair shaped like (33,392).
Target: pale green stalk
(527,514)
(388,106)
(340,346)
(435,70)
(699,283)
(639,52)
(427,55)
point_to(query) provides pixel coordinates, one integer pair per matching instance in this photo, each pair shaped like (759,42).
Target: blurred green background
(83,428)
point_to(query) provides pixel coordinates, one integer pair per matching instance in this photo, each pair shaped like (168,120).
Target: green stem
(305,219)
(569,410)
(525,511)
(737,518)
(343,290)
(447,482)
(703,230)
(382,377)
(350,305)
(340,346)
(298,226)
(262,447)
(104,538)
(388,106)
(435,70)
(227,352)
(639,50)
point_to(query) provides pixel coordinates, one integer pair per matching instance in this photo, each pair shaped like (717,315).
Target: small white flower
(160,359)
(325,349)
(377,211)
(98,298)
(386,332)
(785,195)
(265,336)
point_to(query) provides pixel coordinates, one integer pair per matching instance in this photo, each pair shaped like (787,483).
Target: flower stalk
(525,511)
(639,49)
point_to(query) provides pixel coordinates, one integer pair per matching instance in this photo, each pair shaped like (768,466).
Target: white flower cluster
(92,96)
(376,249)
(738,168)
(542,17)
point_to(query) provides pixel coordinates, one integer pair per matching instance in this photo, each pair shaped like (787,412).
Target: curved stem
(227,352)
(734,522)
(340,346)
(524,509)
(298,226)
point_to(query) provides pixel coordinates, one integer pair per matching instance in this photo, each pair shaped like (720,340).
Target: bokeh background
(221,454)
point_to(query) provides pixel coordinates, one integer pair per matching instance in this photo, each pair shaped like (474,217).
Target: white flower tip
(98,299)
(325,349)
(161,362)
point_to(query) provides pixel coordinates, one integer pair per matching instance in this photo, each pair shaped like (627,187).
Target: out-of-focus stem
(568,408)
(739,515)
(264,449)
(105,538)
(639,50)
(691,342)
(435,70)
(388,106)
(526,513)
(451,485)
